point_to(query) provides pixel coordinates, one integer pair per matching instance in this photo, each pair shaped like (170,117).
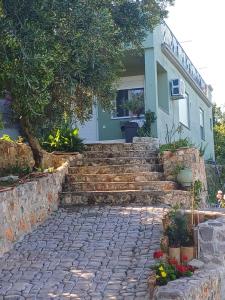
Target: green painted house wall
(159,66)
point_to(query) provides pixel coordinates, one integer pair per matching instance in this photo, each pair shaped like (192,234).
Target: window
(184,111)
(123,96)
(202,129)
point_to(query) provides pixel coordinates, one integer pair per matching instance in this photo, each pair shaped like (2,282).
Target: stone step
(116,169)
(127,177)
(113,161)
(119,147)
(115,186)
(68,199)
(126,153)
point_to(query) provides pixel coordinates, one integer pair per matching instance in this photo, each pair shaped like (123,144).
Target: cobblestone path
(86,253)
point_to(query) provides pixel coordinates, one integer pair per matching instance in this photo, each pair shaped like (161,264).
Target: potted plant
(146,129)
(174,243)
(185,177)
(135,106)
(176,231)
(187,246)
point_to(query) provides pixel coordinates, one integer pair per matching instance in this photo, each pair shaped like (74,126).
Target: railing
(174,46)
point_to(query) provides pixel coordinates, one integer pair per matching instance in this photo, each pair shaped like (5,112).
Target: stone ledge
(206,284)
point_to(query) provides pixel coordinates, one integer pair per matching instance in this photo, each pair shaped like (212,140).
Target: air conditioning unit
(177,87)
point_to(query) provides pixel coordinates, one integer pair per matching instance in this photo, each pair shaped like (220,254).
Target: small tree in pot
(175,232)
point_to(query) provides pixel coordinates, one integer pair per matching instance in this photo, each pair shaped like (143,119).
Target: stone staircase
(119,174)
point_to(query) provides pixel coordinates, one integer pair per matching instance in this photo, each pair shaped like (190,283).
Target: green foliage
(178,231)
(57,55)
(7,138)
(64,139)
(1,122)
(215,181)
(146,129)
(197,189)
(135,104)
(175,145)
(16,170)
(171,133)
(176,170)
(219,133)
(170,270)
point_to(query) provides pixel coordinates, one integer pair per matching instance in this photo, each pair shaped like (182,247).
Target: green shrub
(63,139)
(7,138)
(175,145)
(146,129)
(1,122)
(16,170)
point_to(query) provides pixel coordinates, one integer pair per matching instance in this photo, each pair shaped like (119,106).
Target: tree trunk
(33,142)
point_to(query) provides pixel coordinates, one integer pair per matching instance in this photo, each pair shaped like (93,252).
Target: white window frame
(129,83)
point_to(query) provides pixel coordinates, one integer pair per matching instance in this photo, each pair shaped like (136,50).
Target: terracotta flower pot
(174,253)
(188,253)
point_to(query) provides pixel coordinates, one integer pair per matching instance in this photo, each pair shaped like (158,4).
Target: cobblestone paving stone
(85,253)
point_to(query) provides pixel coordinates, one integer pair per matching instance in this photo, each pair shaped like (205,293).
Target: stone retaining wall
(190,158)
(24,207)
(15,154)
(206,284)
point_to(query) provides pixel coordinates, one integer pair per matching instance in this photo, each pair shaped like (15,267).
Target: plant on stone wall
(177,169)
(169,270)
(171,133)
(64,138)
(16,170)
(146,129)
(197,189)
(7,138)
(1,122)
(175,145)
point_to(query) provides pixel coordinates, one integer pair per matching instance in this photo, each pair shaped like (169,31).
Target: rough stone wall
(12,154)
(190,158)
(28,205)
(51,160)
(203,285)
(153,142)
(211,239)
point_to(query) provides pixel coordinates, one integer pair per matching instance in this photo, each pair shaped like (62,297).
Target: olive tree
(55,55)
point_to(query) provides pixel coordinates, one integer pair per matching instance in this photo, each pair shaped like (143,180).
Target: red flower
(157,254)
(181,268)
(172,261)
(190,268)
(184,258)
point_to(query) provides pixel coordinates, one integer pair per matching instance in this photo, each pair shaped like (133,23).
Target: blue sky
(200,27)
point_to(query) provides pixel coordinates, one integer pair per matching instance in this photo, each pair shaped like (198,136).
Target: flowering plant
(169,270)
